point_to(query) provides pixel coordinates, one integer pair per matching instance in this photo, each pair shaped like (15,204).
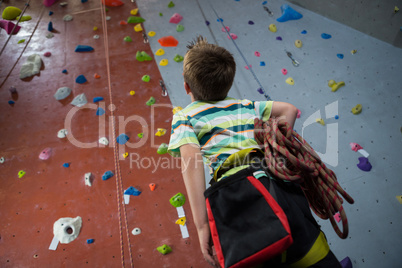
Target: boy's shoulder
(198,106)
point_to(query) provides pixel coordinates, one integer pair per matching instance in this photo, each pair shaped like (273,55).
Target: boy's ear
(187,88)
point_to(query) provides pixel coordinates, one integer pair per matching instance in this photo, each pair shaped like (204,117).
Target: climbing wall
(370,75)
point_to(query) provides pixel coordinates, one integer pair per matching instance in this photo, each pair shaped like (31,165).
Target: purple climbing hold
(326,36)
(50,26)
(207,23)
(9,26)
(346,263)
(304,32)
(279,38)
(260,91)
(250,22)
(364,164)
(288,13)
(82,48)
(339,56)
(80,79)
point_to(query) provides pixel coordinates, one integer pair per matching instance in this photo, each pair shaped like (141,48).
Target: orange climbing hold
(97,76)
(168,41)
(152,186)
(112,3)
(123,22)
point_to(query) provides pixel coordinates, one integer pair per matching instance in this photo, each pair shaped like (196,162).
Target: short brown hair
(209,70)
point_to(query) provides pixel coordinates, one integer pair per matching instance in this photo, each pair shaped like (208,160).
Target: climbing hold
(248,67)
(257,54)
(122,22)
(135,19)
(175,18)
(321,121)
(163,62)
(159,52)
(151,101)
(250,22)
(68,17)
(9,26)
(181,221)
(21,41)
(98,99)
(142,56)
(138,27)
(346,263)
(49,35)
(304,32)
(66,165)
(50,26)
(151,33)
(339,56)
(207,23)
(219,20)
(284,71)
(162,148)
(396,9)
(45,154)
(11,102)
(10,13)
(107,175)
(80,79)
(272,28)
(2,160)
(160,14)
(87,178)
(134,11)
(354,51)
(104,141)
(178,58)
(364,164)
(90,241)
(336,117)
(146,78)
(128,39)
(83,48)
(179,28)
(47,54)
(168,41)
(62,133)
(62,93)
(262,63)
(63,4)
(399,198)
(100,111)
(50,13)
(79,100)
(24,18)
(160,132)
(165,249)
(171,4)
(288,13)
(298,43)
(335,86)
(122,138)
(96,36)
(355,147)
(95,28)
(298,113)
(31,66)
(64,71)
(232,36)
(290,81)
(132,92)
(176,109)
(357,109)
(140,135)
(337,217)
(260,90)
(112,3)
(227,29)
(264,2)
(177,200)
(21,174)
(279,38)
(152,186)
(66,230)
(326,36)
(136,231)
(132,191)
(97,76)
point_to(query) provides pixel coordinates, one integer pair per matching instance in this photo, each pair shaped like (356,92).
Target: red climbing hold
(152,186)
(112,3)
(168,41)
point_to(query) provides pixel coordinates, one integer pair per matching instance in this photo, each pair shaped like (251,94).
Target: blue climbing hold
(336,117)
(262,63)
(339,56)
(83,48)
(326,36)
(250,22)
(219,20)
(97,99)
(66,165)
(304,32)
(84,1)
(90,241)
(100,111)
(50,26)
(132,191)
(80,79)
(288,13)
(264,3)
(108,174)
(11,102)
(122,138)
(50,13)
(64,71)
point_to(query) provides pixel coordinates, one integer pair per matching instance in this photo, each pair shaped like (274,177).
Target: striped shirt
(219,128)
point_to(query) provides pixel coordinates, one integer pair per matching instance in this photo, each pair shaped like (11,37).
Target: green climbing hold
(177,200)
(179,28)
(162,148)
(146,78)
(143,56)
(106,9)
(171,4)
(21,41)
(24,18)
(165,249)
(135,19)
(128,39)
(140,135)
(10,13)
(178,58)
(160,14)
(150,102)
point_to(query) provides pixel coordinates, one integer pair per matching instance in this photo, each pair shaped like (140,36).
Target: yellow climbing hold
(125,154)
(357,109)
(321,121)
(334,85)
(21,174)
(160,132)
(151,33)
(396,9)
(399,198)
(354,51)
(163,62)
(138,27)
(181,221)
(290,81)
(298,43)
(132,92)
(134,11)
(176,109)
(272,28)
(95,28)
(160,52)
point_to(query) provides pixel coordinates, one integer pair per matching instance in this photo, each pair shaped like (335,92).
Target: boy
(214,126)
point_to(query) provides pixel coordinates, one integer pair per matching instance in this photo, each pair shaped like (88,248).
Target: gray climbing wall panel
(372,78)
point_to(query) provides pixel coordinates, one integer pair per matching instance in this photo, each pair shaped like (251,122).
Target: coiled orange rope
(289,157)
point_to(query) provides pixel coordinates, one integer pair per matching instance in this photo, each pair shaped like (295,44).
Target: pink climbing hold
(234,36)
(176,18)
(8,26)
(298,113)
(284,71)
(168,41)
(227,29)
(45,154)
(257,54)
(48,3)
(47,54)
(337,217)
(355,147)
(248,67)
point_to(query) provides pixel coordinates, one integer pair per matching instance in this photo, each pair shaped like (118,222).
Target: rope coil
(289,157)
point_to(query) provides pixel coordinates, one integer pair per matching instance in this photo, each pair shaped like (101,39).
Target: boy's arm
(194,179)
(284,111)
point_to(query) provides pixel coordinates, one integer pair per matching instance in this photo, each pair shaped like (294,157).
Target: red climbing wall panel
(48,191)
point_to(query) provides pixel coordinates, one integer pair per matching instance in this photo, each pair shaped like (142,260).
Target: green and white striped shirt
(219,128)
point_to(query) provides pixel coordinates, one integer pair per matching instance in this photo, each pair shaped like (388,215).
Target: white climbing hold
(62,133)
(2,160)
(68,17)
(67,229)
(104,141)
(31,66)
(136,231)
(79,100)
(88,179)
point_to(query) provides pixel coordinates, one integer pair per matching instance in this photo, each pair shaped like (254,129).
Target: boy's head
(208,70)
